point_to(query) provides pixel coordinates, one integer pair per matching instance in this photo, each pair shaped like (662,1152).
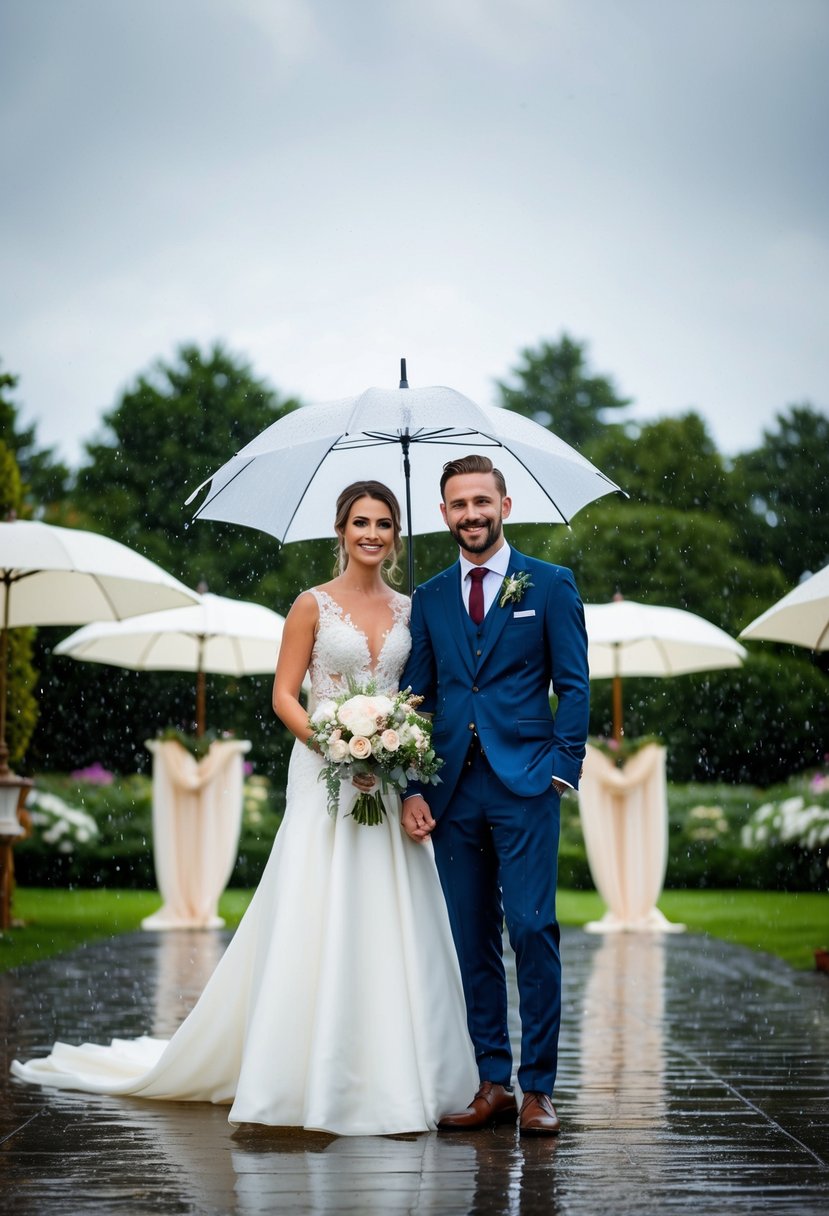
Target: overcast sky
(327,185)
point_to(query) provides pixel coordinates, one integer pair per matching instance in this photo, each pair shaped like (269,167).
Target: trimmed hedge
(705,848)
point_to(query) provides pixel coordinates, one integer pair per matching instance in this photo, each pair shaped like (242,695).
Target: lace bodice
(341,652)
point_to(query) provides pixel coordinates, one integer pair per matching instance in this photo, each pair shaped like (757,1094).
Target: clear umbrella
(217,635)
(801,617)
(286,481)
(626,638)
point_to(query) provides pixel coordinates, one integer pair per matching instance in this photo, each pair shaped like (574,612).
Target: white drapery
(624,817)
(197,816)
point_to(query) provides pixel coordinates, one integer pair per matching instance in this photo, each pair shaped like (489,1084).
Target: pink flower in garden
(93,774)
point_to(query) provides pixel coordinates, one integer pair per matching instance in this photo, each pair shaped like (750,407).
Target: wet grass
(789,924)
(53,921)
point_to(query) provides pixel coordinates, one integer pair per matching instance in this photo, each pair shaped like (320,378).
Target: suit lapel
(454,614)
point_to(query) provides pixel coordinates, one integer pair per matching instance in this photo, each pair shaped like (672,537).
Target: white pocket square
(524,612)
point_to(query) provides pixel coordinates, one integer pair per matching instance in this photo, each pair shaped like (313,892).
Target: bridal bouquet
(383,736)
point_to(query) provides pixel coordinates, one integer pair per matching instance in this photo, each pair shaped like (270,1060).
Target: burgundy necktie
(476,594)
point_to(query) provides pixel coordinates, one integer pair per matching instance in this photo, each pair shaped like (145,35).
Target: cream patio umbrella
(63,576)
(801,617)
(216,635)
(66,576)
(626,638)
(624,812)
(197,805)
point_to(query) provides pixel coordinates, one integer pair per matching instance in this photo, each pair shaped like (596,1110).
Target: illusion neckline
(396,609)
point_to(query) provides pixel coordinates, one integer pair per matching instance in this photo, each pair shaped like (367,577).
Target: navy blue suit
(496,839)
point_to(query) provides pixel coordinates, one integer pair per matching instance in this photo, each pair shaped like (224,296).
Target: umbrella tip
(404,383)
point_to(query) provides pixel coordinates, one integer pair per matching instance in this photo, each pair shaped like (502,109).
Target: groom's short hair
(472,464)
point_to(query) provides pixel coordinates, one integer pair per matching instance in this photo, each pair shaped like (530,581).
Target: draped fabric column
(197,816)
(624,817)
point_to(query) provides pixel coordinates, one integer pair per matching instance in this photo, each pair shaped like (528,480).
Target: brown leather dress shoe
(492,1104)
(538,1116)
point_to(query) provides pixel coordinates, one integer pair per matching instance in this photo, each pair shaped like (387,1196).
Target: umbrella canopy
(801,617)
(65,576)
(626,638)
(216,635)
(286,481)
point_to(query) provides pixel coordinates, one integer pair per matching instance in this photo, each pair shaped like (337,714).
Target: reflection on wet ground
(694,1078)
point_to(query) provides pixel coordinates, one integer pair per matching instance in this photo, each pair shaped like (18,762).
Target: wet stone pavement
(694,1078)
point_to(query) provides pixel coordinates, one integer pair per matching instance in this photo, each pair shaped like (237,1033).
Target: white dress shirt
(497,568)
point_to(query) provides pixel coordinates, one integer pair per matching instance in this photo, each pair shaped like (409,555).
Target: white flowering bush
(797,821)
(59,824)
(255,801)
(707,823)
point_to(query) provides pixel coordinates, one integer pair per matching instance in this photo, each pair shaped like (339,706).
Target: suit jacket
(498,684)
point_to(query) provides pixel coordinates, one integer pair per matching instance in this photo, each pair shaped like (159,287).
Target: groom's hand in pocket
(417,818)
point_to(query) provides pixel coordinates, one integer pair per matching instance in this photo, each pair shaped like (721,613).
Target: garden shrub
(117,852)
(713,837)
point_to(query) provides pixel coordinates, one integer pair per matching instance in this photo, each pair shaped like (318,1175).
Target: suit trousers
(497,857)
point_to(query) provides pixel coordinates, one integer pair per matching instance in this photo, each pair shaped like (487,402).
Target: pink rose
(390,740)
(360,747)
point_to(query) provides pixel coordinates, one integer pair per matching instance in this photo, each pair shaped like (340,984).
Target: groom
(488,637)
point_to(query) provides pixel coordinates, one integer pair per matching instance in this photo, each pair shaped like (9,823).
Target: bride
(338,1003)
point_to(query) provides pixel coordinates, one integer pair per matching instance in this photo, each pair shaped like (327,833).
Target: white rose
(360,747)
(337,751)
(363,714)
(378,706)
(326,711)
(390,740)
(355,716)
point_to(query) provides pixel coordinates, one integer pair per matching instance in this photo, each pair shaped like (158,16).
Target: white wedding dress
(338,1003)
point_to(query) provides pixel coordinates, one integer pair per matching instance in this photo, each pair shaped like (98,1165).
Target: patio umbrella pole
(617,687)
(4,662)
(200,692)
(617,709)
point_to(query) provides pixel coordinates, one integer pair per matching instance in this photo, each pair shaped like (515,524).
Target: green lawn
(789,925)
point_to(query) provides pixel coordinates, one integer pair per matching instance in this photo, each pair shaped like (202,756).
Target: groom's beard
(486,540)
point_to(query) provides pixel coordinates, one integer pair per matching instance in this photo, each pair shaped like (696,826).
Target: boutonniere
(513,588)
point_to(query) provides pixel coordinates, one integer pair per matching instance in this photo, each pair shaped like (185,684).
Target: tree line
(722,538)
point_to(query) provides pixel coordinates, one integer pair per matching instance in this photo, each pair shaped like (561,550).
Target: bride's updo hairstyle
(345,504)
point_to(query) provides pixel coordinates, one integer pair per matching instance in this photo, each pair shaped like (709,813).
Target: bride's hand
(364,782)
(416,818)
